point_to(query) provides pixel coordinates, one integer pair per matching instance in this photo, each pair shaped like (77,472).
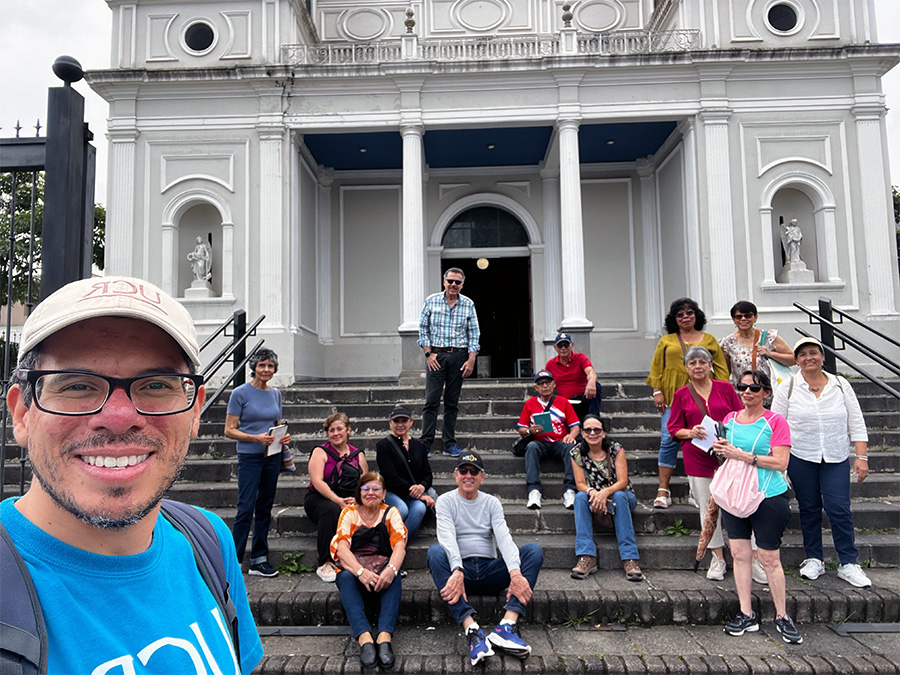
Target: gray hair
(263,355)
(697,352)
(455,270)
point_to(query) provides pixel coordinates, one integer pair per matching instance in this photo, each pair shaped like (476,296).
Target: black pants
(449,381)
(324,513)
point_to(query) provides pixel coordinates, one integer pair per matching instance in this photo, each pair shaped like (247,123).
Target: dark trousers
(485,576)
(257,480)
(817,485)
(588,406)
(535,451)
(448,380)
(324,513)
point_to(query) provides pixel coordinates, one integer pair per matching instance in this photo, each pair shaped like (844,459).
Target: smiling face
(698,368)
(467,483)
(111,468)
(593,433)
(400,426)
(451,288)
(372,493)
(264,370)
(752,399)
(744,321)
(563,351)
(338,433)
(810,359)
(685,318)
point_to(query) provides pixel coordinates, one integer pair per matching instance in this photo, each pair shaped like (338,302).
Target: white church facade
(584,162)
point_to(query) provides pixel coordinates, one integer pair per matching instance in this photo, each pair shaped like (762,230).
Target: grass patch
(677,529)
(290,564)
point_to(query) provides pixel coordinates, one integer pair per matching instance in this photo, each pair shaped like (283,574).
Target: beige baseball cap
(111,296)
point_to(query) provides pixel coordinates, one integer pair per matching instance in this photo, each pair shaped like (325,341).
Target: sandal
(662,501)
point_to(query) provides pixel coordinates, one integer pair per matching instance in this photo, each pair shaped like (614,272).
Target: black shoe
(742,624)
(263,569)
(367,655)
(385,655)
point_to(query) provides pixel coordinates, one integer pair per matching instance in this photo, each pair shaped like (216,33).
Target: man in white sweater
(465,560)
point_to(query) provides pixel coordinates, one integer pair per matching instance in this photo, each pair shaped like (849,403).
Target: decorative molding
(175,169)
(365,23)
(157,37)
(596,16)
(484,199)
(775,150)
(523,186)
(445,188)
(491,14)
(240,25)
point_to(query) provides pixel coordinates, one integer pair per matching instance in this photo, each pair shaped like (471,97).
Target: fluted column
(323,254)
(571,226)
(653,308)
(719,214)
(413,229)
(552,256)
(873,198)
(121,227)
(270,234)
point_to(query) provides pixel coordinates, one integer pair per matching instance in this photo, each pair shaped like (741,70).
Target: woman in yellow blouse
(370,545)
(684,327)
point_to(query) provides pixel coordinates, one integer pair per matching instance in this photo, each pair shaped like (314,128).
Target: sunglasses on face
(683,313)
(543,383)
(454,282)
(740,316)
(468,470)
(371,488)
(590,431)
(563,345)
(740,386)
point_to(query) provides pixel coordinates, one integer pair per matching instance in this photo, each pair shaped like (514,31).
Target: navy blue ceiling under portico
(507,146)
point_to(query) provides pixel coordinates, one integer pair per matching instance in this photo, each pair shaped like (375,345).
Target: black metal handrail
(829,329)
(235,352)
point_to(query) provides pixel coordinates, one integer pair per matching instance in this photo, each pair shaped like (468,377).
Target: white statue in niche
(201,260)
(795,270)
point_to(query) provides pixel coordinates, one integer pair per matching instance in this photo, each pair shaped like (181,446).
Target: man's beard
(105,520)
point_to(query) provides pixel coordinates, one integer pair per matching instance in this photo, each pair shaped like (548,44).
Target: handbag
(735,487)
(778,372)
(372,560)
(519,447)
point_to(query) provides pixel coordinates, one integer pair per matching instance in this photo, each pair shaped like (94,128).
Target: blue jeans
(668,446)
(625,502)
(257,480)
(485,576)
(355,605)
(449,381)
(535,451)
(817,485)
(412,511)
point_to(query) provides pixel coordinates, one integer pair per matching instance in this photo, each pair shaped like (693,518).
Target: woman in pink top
(716,399)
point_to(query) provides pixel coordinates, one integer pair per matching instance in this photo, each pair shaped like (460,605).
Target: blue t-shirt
(257,411)
(141,614)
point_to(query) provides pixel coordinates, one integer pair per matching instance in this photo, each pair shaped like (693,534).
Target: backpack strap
(208,555)
(23,634)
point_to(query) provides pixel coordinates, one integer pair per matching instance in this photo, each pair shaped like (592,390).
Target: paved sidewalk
(661,650)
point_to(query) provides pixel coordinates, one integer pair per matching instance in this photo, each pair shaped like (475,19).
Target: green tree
(28,240)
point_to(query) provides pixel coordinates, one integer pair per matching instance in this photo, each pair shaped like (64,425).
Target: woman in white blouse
(825,419)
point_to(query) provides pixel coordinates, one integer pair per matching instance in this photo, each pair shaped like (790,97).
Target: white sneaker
(853,575)
(692,501)
(327,573)
(759,572)
(534,500)
(569,499)
(717,568)
(812,568)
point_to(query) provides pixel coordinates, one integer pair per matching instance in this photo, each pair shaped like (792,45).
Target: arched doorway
(490,245)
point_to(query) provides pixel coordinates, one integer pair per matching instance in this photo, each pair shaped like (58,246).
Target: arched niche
(788,204)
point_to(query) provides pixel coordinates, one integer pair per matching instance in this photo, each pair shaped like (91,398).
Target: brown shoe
(586,565)
(633,571)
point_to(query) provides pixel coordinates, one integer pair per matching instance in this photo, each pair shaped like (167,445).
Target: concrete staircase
(672,594)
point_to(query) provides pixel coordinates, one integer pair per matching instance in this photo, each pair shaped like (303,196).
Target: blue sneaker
(453,450)
(506,637)
(478,647)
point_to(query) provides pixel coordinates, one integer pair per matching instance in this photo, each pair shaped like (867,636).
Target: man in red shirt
(555,436)
(574,375)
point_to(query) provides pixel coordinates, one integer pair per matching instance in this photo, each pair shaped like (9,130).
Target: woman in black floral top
(601,476)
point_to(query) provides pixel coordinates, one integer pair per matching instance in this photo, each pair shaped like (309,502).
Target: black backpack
(23,636)
(344,478)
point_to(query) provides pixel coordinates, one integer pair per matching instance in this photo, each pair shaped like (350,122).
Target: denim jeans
(668,446)
(412,511)
(535,451)
(448,380)
(354,603)
(817,485)
(625,502)
(257,480)
(485,576)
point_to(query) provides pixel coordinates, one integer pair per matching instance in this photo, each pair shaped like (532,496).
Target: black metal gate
(53,235)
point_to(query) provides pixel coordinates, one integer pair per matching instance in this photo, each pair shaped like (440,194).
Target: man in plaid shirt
(448,333)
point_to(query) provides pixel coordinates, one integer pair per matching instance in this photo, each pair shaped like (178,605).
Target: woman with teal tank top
(762,438)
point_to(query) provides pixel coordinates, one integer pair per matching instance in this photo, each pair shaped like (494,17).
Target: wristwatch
(427,354)
(360,571)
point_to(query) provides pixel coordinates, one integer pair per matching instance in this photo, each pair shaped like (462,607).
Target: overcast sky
(34,32)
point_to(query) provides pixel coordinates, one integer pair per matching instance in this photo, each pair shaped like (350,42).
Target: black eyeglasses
(740,315)
(455,282)
(740,386)
(683,313)
(590,431)
(467,470)
(79,392)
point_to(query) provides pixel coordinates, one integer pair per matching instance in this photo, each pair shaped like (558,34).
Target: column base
(412,360)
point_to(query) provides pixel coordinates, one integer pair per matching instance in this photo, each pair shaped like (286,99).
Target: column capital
(644,168)
(865,111)
(412,129)
(568,123)
(718,115)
